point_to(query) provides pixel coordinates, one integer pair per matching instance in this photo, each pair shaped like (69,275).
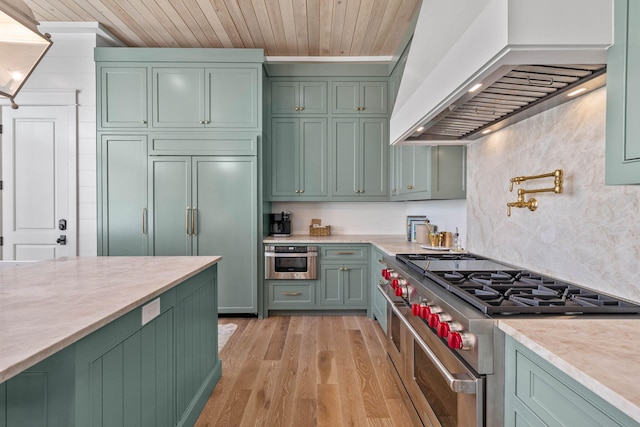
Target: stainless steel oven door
(290,266)
(443,389)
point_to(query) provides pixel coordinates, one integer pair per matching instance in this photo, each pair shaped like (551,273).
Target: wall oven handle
(455,382)
(186,221)
(290,254)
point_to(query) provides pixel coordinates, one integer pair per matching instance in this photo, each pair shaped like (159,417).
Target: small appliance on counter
(280,224)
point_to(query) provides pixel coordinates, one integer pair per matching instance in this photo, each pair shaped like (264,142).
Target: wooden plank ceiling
(280,27)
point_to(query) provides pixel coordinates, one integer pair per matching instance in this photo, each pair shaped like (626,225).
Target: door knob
(62,240)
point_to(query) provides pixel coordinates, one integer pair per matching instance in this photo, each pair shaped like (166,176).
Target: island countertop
(49,305)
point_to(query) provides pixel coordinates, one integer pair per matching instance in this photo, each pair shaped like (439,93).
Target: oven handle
(457,385)
(290,254)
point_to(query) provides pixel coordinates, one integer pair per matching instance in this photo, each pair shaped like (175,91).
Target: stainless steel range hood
(514,94)
(523,56)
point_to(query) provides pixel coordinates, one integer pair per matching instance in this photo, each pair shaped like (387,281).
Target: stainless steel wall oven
(290,262)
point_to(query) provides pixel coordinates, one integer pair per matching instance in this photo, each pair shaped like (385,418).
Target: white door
(39,182)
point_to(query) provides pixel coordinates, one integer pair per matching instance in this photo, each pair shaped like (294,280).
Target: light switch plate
(150,311)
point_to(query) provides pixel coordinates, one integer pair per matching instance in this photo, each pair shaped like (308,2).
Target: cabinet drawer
(344,253)
(286,294)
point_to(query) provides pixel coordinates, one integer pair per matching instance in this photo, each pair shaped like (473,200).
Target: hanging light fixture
(21,46)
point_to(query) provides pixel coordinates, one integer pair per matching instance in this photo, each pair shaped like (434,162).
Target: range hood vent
(510,94)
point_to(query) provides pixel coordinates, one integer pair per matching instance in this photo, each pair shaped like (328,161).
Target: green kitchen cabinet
(298,97)
(224,97)
(299,153)
(423,172)
(123,97)
(207,205)
(344,285)
(623,96)
(122,195)
(538,393)
(291,294)
(359,97)
(359,156)
(378,303)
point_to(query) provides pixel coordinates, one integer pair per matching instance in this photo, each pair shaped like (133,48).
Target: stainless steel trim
(270,260)
(457,384)
(290,255)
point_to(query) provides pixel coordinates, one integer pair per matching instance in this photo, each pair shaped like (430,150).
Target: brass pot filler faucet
(532,203)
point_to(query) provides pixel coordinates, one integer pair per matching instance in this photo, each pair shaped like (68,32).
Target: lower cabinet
(126,373)
(537,393)
(378,303)
(342,283)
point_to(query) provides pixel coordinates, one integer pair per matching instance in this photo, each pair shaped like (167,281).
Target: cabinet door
(373,98)
(178,97)
(313,98)
(331,285)
(378,303)
(354,277)
(123,97)
(233,101)
(284,97)
(415,170)
(285,165)
(346,157)
(171,209)
(314,153)
(225,203)
(623,96)
(374,149)
(122,195)
(346,97)
(448,172)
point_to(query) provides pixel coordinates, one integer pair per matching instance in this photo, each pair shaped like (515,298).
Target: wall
(590,234)
(374,217)
(69,65)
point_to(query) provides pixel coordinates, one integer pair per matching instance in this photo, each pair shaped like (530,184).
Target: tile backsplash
(589,234)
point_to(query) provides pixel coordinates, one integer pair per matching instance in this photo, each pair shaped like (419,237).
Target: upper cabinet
(298,97)
(123,97)
(220,98)
(179,88)
(424,172)
(360,97)
(623,97)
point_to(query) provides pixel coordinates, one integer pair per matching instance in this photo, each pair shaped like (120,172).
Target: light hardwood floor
(304,371)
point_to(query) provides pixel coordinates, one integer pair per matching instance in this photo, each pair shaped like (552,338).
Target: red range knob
(433,320)
(454,340)
(443,329)
(394,283)
(425,311)
(399,291)
(415,309)
(385,274)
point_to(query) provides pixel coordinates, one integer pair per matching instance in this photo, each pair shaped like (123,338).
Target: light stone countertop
(390,243)
(49,305)
(601,354)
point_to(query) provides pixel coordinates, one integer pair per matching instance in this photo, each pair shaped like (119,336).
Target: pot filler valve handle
(532,203)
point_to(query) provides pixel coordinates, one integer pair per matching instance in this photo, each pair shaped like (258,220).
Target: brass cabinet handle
(201,122)
(344,269)
(301,191)
(409,187)
(194,217)
(186,221)
(344,253)
(301,108)
(144,220)
(144,122)
(291,294)
(297,108)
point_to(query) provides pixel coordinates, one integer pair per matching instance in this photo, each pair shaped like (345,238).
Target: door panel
(39,169)
(233,98)
(170,220)
(374,159)
(313,157)
(346,153)
(284,157)
(179,95)
(225,195)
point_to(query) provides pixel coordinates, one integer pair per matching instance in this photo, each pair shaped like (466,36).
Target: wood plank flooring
(305,371)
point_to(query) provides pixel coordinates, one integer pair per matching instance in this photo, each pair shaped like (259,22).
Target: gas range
(448,305)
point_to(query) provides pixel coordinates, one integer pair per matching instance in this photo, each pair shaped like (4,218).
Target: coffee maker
(280,224)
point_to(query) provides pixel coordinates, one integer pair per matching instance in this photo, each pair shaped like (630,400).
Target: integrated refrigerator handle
(194,217)
(186,222)
(144,220)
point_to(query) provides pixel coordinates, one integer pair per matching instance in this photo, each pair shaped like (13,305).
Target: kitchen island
(136,335)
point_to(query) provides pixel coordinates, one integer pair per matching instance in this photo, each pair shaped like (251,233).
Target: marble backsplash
(589,234)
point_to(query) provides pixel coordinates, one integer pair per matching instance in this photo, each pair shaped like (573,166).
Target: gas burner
(492,278)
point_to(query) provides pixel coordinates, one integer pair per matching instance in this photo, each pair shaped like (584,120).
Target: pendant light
(21,46)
